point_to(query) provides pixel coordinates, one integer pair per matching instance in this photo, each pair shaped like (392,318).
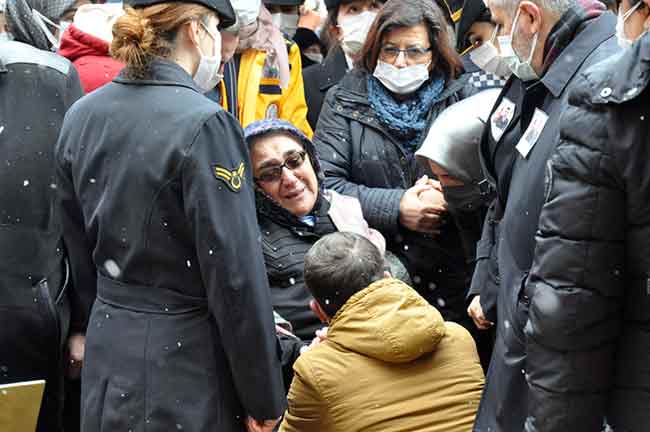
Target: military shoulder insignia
(232,178)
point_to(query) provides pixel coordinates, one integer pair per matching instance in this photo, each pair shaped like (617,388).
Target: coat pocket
(118,411)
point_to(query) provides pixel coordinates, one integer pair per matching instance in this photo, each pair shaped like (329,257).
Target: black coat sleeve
(485,280)
(576,284)
(82,287)
(335,147)
(223,224)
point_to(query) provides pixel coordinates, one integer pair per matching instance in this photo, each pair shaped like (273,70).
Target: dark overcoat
(36,89)
(159,215)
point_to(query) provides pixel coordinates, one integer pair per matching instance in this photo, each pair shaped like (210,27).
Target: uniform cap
(223,8)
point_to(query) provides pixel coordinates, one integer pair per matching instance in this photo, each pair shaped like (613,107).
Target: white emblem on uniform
(272,111)
(501,118)
(531,136)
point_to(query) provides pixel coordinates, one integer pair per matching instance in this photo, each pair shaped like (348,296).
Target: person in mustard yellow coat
(389,363)
(264,78)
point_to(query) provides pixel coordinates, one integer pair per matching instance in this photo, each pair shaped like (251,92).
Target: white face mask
(623,41)
(401,81)
(487,58)
(207,73)
(287,23)
(247,11)
(523,70)
(6,37)
(355,29)
(315,57)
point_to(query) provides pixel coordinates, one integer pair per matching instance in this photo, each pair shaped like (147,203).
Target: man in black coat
(589,321)
(36,89)
(547,44)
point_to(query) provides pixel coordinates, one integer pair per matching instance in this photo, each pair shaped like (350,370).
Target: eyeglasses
(273,174)
(390,53)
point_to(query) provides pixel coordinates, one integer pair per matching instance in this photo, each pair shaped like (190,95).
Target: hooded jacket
(390,363)
(90,56)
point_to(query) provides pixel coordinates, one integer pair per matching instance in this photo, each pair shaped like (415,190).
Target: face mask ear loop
(514,25)
(42,20)
(532,48)
(494,34)
(632,10)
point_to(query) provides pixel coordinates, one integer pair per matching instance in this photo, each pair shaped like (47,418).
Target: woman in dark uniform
(159,217)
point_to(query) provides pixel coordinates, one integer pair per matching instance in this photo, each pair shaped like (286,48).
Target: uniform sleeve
(576,284)
(485,280)
(82,289)
(306,404)
(83,282)
(334,143)
(220,210)
(294,106)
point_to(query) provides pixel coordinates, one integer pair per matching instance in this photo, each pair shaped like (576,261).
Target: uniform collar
(163,73)
(560,73)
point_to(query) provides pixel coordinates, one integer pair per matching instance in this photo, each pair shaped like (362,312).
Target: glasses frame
(278,170)
(405,51)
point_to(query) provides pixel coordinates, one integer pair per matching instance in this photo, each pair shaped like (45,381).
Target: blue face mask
(522,69)
(6,37)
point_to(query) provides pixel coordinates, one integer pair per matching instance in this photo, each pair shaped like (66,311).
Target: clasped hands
(423,206)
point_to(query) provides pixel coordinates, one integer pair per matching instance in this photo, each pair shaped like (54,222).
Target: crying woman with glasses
(294,211)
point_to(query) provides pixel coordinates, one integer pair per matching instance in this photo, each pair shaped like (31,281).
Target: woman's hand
(421,214)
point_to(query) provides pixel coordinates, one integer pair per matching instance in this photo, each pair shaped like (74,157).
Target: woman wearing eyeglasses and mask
(294,211)
(347,25)
(476,42)
(371,125)
(158,210)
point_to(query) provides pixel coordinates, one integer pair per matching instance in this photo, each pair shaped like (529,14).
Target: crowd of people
(326,215)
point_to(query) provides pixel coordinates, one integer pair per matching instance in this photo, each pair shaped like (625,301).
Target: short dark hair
(410,13)
(340,265)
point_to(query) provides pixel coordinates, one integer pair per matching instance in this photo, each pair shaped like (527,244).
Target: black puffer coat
(36,89)
(285,242)
(588,335)
(362,159)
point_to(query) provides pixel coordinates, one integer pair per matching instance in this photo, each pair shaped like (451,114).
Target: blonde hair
(142,34)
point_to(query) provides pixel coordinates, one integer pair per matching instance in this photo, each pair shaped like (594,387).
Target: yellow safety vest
(260,95)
